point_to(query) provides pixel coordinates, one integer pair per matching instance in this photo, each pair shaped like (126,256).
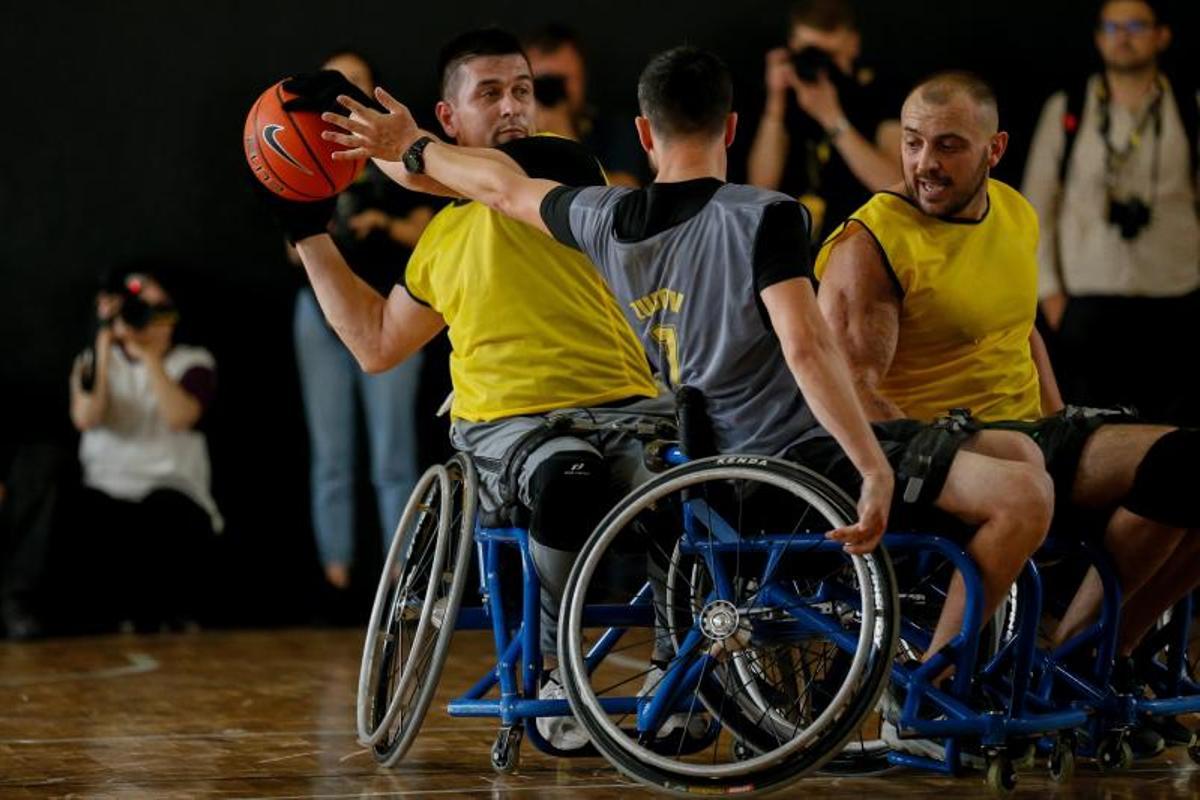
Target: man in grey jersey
(714,278)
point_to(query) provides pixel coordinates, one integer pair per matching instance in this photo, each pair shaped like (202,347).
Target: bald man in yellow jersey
(931,288)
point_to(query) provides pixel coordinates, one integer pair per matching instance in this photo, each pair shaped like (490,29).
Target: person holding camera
(560,89)
(1112,173)
(823,136)
(146,510)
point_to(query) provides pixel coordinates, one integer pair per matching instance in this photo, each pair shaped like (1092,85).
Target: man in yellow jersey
(931,288)
(534,329)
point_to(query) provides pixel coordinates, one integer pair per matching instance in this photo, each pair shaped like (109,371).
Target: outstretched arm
(823,378)
(482,174)
(862,307)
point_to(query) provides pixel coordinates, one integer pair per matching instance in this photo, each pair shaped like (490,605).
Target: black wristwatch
(414,156)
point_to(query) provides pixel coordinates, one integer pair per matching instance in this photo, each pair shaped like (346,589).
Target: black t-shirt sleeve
(556,213)
(781,248)
(555,158)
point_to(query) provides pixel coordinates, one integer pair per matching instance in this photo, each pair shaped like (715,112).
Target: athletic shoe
(696,724)
(1170,729)
(1145,742)
(563,733)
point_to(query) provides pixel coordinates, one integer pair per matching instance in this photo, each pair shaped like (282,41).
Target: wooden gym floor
(271,714)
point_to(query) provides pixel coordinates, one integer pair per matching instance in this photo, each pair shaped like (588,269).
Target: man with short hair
(823,136)
(715,279)
(1112,172)
(931,289)
(534,330)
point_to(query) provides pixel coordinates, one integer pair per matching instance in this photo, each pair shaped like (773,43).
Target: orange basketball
(287,153)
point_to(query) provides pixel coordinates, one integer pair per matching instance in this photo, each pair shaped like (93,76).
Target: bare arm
(768,153)
(501,186)
(89,407)
(379,332)
(1052,401)
(821,373)
(862,308)
(876,164)
(178,407)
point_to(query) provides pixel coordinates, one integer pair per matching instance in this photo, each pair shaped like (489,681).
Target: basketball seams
(304,140)
(263,159)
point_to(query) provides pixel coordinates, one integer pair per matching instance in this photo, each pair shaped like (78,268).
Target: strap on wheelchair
(696,437)
(928,456)
(567,423)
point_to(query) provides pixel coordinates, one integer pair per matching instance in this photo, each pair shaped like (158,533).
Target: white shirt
(1164,259)
(133,451)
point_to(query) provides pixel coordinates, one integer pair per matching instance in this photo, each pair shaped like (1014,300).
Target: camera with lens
(135,311)
(1130,216)
(811,61)
(549,90)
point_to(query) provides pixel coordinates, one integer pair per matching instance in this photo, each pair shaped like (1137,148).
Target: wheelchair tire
(416,608)
(782,737)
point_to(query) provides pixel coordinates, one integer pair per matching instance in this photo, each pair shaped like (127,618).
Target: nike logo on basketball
(269,134)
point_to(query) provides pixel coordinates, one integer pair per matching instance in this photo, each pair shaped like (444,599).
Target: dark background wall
(121,139)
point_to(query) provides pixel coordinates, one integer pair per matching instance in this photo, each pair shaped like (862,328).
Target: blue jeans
(333,385)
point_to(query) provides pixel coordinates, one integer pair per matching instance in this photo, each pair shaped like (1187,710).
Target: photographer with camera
(146,511)
(1112,173)
(560,89)
(824,136)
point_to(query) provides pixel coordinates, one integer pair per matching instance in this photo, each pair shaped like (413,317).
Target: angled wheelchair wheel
(767,646)
(416,607)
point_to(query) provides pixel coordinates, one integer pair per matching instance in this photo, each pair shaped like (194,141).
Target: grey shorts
(492,446)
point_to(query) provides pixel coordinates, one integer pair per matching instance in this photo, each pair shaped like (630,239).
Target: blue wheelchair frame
(1060,678)
(520,651)
(1005,676)
(1038,693)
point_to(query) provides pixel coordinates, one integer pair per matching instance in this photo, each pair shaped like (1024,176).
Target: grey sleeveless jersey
(689,294)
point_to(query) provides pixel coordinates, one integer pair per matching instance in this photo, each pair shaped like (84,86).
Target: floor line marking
(139,663)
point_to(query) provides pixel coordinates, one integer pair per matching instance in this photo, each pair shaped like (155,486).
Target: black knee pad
(568,495)
(1165,486)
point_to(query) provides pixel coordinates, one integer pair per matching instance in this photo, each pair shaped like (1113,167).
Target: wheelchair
(1081,670)
(1014,696)
(711,638)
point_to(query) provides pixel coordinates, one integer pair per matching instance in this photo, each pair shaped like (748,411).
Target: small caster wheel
(1193,748)
(1062,759)
(506,752)
(1001,775)
(1114,754)
(740,751)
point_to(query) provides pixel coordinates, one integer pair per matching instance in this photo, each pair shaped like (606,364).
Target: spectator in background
(825,135)
(376,224)
(146,510)
(1112,172)
(560,88)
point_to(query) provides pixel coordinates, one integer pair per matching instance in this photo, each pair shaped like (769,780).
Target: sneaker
(694,726)
(1170,729)
(563,733)
(890,706)
(1145,742)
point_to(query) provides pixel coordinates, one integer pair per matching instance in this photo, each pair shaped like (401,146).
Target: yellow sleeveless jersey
(532,324)
(969,302)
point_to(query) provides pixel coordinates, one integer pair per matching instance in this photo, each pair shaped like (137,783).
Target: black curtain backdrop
(122,140)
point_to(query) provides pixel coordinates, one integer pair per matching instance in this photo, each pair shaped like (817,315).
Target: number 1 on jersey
(668,344)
